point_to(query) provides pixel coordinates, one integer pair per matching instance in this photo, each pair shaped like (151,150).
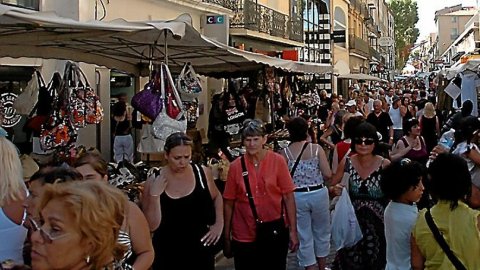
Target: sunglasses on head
(366,141)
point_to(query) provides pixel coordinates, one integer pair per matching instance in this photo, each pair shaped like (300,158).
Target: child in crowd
(401,182)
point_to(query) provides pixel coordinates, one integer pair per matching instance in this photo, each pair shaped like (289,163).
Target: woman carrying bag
(309,168)
(363,172)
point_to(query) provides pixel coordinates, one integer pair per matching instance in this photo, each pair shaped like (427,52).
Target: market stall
(139,48)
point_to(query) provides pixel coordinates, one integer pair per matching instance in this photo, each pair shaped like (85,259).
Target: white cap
(350,103)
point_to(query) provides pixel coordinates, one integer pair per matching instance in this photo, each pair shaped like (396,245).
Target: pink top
(267,185)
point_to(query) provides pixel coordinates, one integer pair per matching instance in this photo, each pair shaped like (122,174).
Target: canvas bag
(346,231)
(188,83)
(148,143)
(26,101)
(164,124)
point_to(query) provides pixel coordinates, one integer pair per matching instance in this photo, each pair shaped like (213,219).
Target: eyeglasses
(48,236)
(366,141)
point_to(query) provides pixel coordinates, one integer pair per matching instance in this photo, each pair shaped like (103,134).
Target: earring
(87,259)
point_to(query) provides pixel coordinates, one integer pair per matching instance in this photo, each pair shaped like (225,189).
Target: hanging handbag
(188,83)
(84,106)
(25,103)
(164,125)
(268,233)
(148,100)
(442,242)
(58,130)
(148,143)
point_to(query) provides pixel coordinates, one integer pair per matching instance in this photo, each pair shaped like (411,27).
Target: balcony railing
(230,4)
(256,17)
(358,45)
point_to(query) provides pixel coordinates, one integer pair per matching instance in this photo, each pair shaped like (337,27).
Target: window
(454,19)
(453,33)
(30,4)
(340,22)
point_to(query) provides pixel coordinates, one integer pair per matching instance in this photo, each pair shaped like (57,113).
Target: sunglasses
(366,141)
(47,236)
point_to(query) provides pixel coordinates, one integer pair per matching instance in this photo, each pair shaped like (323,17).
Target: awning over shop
(361,76)
(458,67)
(129,46)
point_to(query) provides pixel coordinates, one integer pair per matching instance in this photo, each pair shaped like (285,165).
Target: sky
(426,13)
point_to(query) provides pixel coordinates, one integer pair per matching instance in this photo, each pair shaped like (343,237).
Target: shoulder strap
(292,172)
(441,241)
(247,187)
(201,175)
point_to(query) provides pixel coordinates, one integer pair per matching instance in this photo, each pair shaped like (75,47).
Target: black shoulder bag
(269,233)
(441,241)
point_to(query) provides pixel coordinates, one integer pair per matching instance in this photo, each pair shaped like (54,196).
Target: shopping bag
(346,231)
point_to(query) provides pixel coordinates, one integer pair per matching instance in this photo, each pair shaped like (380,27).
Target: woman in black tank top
(184,210)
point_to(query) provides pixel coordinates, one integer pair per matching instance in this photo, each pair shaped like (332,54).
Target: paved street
(227,264)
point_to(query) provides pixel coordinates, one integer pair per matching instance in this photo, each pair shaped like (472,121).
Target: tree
(405,13)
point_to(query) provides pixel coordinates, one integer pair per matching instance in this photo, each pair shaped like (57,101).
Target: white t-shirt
(399,221)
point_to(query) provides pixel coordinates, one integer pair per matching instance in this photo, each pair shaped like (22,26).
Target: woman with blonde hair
(134,233)
(79,226)
(430,126)
(12,194)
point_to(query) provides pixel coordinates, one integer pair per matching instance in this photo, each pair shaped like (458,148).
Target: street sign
(339,36)
(385,41)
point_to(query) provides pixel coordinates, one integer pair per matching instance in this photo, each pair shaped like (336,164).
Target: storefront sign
(215,19)
(10,116)
(338,36)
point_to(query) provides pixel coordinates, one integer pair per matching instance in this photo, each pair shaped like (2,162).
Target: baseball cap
(351,102)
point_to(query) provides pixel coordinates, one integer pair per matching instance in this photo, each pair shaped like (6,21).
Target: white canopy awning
(361,76)
(471,64)
(129,46)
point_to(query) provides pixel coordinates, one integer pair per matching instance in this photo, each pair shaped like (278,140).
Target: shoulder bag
(294,168)
(188,83)
(148,101)
(165,124)
(441,241)
(268,233)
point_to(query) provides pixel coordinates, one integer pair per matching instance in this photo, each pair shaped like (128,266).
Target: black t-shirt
(382,123)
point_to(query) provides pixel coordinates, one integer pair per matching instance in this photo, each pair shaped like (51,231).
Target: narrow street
(292,264)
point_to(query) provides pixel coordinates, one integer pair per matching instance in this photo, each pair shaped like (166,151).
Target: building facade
(450,23)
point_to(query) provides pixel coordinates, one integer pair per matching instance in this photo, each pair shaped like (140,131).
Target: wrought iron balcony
(256,17)
(230,4)
(358,45)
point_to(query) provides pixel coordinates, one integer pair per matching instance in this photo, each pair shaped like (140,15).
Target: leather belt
(310,188)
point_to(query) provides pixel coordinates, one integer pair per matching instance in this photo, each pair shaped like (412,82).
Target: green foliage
(405,13)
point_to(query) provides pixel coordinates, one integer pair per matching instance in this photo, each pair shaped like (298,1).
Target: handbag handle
(164,68)
(441,241)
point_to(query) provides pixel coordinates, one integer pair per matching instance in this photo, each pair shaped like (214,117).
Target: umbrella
(129,46)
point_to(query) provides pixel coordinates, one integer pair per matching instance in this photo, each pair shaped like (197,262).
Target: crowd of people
(381,145)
